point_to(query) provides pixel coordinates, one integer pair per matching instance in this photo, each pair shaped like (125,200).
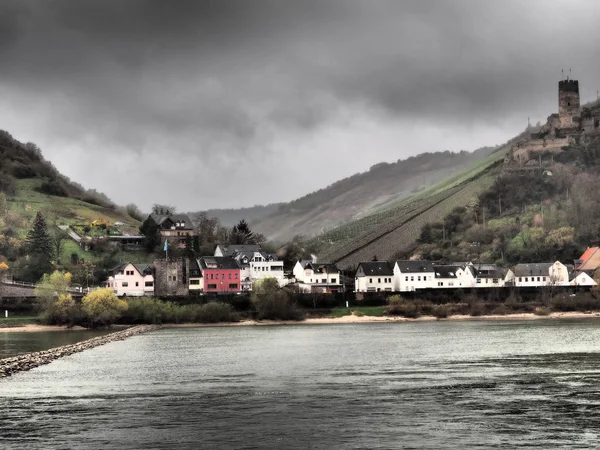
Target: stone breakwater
(20,363)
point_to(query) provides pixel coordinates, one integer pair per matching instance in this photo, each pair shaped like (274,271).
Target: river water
(373,386)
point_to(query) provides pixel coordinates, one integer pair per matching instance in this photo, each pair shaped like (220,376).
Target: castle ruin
(561,129)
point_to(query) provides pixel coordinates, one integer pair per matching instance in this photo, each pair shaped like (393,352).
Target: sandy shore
(332,320)
(387,319)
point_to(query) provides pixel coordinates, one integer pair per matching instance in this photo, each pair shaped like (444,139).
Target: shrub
(154,311)
(272,302)
(440,311)
(53,187)
(399,307)
(542,311)
(102,307)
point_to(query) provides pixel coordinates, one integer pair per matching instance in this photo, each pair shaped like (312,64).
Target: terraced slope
(396,229)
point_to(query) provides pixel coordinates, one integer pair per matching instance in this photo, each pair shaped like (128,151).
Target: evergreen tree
(39,242)
(151,234)
(241,234)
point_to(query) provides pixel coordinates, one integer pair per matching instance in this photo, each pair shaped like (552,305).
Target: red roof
(587,255)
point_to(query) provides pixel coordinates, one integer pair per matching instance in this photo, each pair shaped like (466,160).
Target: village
(234,269)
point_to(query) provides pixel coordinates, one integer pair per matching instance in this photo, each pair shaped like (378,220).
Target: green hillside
(29,184)
(394,230)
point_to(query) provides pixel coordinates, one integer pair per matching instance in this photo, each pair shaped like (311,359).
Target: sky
(223,104)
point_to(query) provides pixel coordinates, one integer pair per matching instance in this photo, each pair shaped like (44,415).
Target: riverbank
(28,361)
(393,319)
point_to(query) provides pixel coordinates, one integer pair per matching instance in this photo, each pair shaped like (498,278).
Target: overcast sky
(207,104)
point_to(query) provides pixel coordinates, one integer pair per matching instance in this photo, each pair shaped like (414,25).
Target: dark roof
(415,266)
(175,218)
(540,269)
(221,262)
(325,268)
(445,271)
(376,268)
(230,250)
(489,271)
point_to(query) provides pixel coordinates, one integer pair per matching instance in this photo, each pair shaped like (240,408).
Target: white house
(374,276)
(196,281)
(256,265)
(583,279)
(413,275)
(489,276)
(132,280)
(317,277)
(541,274)
(455,276)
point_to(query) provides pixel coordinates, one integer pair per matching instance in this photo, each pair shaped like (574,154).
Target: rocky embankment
(9,366)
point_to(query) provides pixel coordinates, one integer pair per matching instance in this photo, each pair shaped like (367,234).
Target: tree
(163,210)
(134,212)
(50,287)
(38,240)
(272,302)
(241,234)
(3,207)
(59,237)
(149,229)
(102,307)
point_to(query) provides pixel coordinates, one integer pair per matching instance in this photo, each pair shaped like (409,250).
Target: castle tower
(568,102)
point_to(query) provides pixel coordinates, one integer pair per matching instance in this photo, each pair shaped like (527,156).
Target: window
(324,280)
(478,281)
(538,278)
(424,278)
(419,278)
(370,280)
(379,280)
(233,286)
(236,276)
(405,278)
(194,282)
(212,276)
(212,286)
(230,276)
(412,278)
(125,284)
(334,280)
(440,283)
(543,278)
(495,281)
(526,279)
(137,284)
(149,283)
(520,279)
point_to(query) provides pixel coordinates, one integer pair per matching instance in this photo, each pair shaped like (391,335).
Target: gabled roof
(539,269)
(586,257)
(232,249)
(325,268)
(141,268)
(375,268)
(219,263)
(489,271)
(407,266)
(174,218)
(446,271)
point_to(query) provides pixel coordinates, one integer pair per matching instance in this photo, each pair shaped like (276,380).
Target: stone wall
(171,277)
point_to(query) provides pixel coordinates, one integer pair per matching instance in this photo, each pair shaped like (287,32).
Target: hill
(28,184)
(352,198)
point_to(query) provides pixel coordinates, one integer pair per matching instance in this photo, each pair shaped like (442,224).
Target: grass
(376,311)
(17,321)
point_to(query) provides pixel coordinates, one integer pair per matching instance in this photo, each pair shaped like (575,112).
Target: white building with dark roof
(454,276)
(413,275)
(540,274)
(256,265)
(317,277)
(374,276)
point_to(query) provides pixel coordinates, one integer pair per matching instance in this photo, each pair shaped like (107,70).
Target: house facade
(317,277)
(256,265)
(174,228)
(132,280)
(220,274)
(489,276)
(374,276)
(589,261)
(584,280)
(413,275)
(541,274)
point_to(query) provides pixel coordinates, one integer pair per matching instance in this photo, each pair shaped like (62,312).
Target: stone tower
(568,103)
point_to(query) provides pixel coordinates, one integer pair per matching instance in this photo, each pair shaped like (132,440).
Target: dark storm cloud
(166,100)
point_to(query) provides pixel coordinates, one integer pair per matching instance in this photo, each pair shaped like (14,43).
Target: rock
(28,361)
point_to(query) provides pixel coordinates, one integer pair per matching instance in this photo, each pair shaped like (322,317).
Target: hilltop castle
(561,129)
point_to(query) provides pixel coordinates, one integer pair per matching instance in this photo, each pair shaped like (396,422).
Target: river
(494,384)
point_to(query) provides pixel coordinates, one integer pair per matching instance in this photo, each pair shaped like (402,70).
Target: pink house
(132,280)
(219,274)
